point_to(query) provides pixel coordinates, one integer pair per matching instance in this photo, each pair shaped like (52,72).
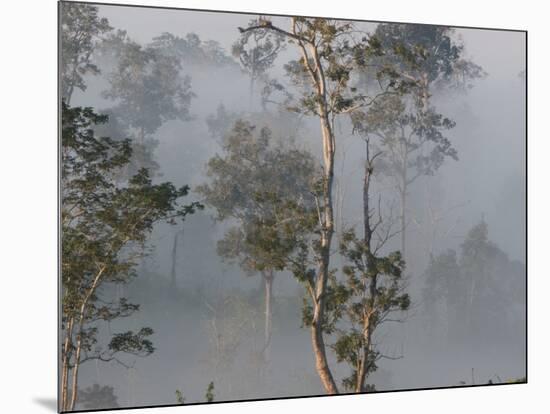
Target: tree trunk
(69,95)
(403,222)
(327,230)
(74,384)
(70,89)
(367,231)
(64,385)
(268,283)
(174,254)
(142,136)
(425,93)
(251,92)
(362,372)
(309,51)
(403,201)
(368,326)
(78,348)
(65,365)
(321,363)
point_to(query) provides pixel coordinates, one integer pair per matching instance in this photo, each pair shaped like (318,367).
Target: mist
(207,311)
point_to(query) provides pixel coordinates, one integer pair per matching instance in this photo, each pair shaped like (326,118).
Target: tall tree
(81,31)
(104,227)
(373,289)
(149,89)
(412,142)
(328,54)
(251,182)
(411,129)
(441,295)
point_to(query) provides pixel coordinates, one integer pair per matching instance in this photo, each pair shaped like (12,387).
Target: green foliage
(346,58)
(373,290)
(133,343)
(416,60)
(280,123)
(81,31)
(442,277)
(209,396)
(149,89)
(147,85)
(257,50)
(221,122)
(522,380)
(265,186)
(334,47)
(274,92)
(97,397)
(480,289)
(426,49)
(192,51)
(410,138)
(180,399)
(104,228)
(336,296)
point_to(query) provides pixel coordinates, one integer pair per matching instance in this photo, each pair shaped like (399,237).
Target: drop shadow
(49,403)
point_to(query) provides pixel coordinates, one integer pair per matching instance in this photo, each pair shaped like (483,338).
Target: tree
(411,130)
(81,31)
(257,50)
(149,90)
(482,292)
(220,123)
(251,183)
(180,399)
(413,143)
(441,290)
(429,55)
(209,395)
(329,54)
(98,397)
(280,121)
(192,51)
(232,321)
(104,228)
(476,263)
(372,291)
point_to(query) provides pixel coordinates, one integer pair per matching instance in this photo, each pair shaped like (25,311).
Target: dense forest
(260,206)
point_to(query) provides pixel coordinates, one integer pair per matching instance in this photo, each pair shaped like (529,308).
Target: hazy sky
(488,180)
(490,117)
(507,49)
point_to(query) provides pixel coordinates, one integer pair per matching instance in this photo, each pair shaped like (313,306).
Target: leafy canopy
(258,183)
(104,228)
